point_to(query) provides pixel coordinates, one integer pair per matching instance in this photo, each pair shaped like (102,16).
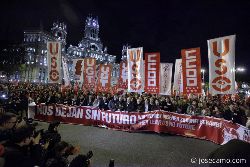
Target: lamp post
(239,70)
(203,78)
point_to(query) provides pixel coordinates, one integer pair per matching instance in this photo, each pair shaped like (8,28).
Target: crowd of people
(234,109)
(22,145)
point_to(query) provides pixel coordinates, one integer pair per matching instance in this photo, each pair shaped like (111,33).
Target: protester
(52,134)
(16,154)
(58,156)
(7,123)
(28,147)
(140,105)
(80,161)
(113,104)
(236,110)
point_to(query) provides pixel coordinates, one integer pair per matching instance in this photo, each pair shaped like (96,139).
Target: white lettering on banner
(151,70)
(45,110)
(90,70)
(104,75)
(197,126)
(191,72)
(110,117)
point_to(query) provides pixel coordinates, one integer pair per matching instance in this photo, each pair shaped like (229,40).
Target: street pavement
(135,149)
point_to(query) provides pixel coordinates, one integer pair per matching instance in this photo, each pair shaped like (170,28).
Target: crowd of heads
(23,145)
(235,109)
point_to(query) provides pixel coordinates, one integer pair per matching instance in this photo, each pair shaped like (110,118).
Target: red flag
(191,70)
(123,78)
(152,72)
(104,79)
(89,72)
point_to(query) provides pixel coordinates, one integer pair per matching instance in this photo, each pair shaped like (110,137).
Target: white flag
(165,78)
(221,55)
(65,72)
(135,70)
(178,83)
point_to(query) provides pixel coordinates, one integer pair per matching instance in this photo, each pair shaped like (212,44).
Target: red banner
(89,72)
(191,70)
(54,62)
(104,79)
(216,130)
(152,72)
(123,78)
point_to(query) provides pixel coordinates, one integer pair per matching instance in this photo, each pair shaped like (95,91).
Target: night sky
(164,26)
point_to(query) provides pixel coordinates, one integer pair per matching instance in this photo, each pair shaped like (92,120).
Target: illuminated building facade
(35,44)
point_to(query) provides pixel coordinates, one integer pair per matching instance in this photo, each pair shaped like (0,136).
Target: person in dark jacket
(8,122)
(51,98)
(233,150)
(58,156)
(52,134)
(167,105)
(130,107)
(16,154)
(90,100)
(151,104)
(121,104)
(103,103)
(80,161)
(113,104)
(156,106)
(140,106)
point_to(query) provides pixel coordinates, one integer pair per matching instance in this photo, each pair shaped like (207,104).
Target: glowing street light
(203,79)
(240,69)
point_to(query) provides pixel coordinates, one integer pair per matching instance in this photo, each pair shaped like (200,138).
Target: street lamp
(203,79)
(240,69)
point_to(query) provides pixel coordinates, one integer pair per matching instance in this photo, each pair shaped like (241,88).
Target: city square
(126,84)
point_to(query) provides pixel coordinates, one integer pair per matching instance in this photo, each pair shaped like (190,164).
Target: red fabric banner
(216,130)
(54,62)
(104,78)
(89,72)
(123,78)
(191,70)
(152,72)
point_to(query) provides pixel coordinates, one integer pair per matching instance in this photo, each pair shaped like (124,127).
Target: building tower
(91,28)
(59,31)
(124,52)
